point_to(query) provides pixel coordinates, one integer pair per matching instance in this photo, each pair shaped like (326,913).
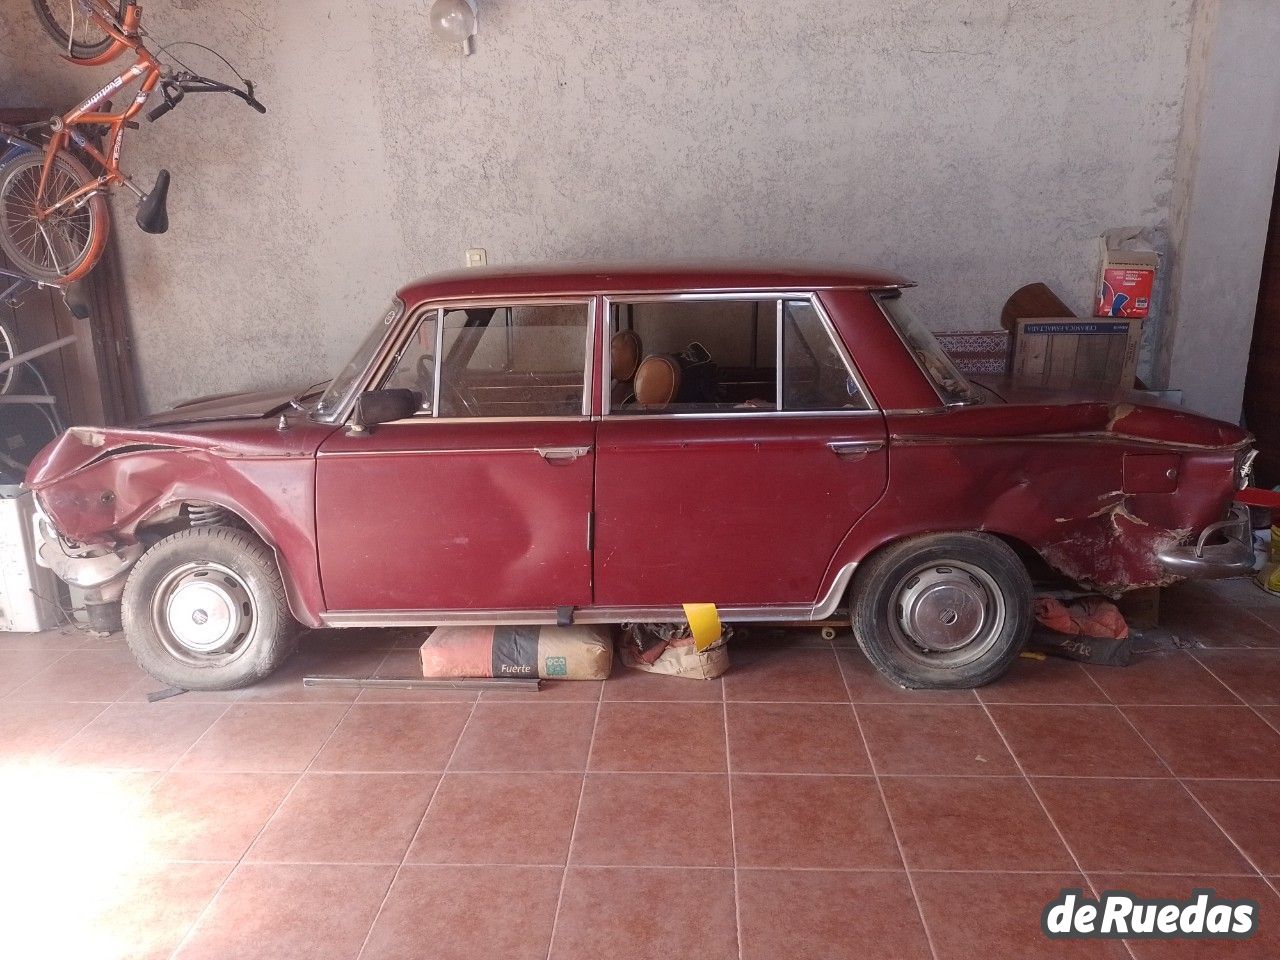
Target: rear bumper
(1202,560)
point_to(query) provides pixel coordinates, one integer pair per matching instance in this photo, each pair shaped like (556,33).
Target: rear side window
(722,357)
(693,356)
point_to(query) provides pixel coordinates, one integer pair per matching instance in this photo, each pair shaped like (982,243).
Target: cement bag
(669,648)
(552,653)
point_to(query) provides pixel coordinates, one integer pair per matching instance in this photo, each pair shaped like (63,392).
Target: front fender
(104,492)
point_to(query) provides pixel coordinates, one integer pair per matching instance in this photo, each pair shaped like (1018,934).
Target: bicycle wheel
(67,22)
(8,350)
(66,243)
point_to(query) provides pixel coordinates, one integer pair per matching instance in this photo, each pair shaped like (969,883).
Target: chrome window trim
(435,452)
(423,419)
(378,368)
(782,297)
(436,365)
(358,385)
(777,356)
(823,609)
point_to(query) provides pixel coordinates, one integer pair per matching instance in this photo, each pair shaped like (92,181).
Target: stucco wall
(1222,205)
(974,146)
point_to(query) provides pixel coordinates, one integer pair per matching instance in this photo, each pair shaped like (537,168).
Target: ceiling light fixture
(454,21)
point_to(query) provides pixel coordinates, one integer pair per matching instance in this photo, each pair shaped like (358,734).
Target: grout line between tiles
(1205,810)
(884,802)
(733,831)
(573,832)
(417,830)
(1044,808)
(1252,706)
(195,924)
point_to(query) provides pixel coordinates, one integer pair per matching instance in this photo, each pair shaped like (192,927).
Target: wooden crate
(1065,351)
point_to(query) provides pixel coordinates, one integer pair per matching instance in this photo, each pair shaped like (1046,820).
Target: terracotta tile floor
(799,808)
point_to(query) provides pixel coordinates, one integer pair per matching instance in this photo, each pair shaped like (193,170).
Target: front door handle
(562,454)
(854,449)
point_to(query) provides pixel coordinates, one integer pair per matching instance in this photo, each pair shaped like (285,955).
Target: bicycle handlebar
(183,83)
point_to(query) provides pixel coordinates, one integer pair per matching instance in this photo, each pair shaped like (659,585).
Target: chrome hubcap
(947,613)
(203,610)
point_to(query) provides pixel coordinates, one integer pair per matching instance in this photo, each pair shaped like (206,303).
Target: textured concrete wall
(1226,176)
(974,146)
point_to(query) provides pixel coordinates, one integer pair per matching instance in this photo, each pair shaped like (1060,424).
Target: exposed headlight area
(1244,467)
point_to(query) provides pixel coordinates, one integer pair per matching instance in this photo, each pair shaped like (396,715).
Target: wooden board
(1067,351)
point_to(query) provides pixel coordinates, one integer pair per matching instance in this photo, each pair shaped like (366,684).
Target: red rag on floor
(1087,616)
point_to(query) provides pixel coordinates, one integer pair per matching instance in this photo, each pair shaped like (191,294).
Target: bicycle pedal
(132,125)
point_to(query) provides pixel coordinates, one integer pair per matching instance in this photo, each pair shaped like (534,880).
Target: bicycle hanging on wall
(54,220)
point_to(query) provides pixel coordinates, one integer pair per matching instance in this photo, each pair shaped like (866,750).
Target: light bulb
(454,21)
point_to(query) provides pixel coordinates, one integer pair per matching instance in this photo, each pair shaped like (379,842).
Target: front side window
(950,382)
(693,356)
(521,360)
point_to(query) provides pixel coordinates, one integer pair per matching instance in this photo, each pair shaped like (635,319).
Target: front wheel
(57,235)
(942,611)
(72,28)
(205,609)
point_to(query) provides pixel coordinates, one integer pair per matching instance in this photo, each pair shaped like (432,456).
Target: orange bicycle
(54,220)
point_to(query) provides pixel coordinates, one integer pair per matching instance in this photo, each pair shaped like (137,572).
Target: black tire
(54,16)
(944,611)
(211,575)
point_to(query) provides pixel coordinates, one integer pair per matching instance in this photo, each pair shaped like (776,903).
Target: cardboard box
(1069,351)
(1127,275)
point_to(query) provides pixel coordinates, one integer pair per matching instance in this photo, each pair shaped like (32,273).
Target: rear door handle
(854,449)
(562,454)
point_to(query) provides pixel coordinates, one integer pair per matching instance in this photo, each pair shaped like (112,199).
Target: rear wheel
(204,609)
(63,243)
(68,24)
(943,611)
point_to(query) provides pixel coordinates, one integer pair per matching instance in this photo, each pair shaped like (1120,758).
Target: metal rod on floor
(409,683)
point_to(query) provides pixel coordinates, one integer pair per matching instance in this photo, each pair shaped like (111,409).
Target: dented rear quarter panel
(1083,484)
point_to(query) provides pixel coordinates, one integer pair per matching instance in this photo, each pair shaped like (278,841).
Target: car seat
(625,351)
(657,382)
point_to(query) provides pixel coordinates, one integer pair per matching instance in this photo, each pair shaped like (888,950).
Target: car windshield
(933,360)
(331,403)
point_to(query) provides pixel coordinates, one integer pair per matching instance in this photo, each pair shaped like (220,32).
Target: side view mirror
(382,406)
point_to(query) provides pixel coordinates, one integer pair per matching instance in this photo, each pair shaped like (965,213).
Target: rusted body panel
(752,512)
(99,485)
(1054,479)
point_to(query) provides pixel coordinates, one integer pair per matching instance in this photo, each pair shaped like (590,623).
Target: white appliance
(28,592)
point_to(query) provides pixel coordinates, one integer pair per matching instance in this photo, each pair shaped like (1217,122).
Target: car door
(482,501)
(740,488)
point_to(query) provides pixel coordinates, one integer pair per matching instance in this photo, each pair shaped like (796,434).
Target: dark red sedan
(604,444)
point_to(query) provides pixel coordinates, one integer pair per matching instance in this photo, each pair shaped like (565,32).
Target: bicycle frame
(125,37)
(14,286)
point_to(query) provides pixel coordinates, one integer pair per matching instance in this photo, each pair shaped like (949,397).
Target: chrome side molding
(821,610)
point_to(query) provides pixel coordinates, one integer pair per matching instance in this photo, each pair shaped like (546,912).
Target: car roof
(642,278)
